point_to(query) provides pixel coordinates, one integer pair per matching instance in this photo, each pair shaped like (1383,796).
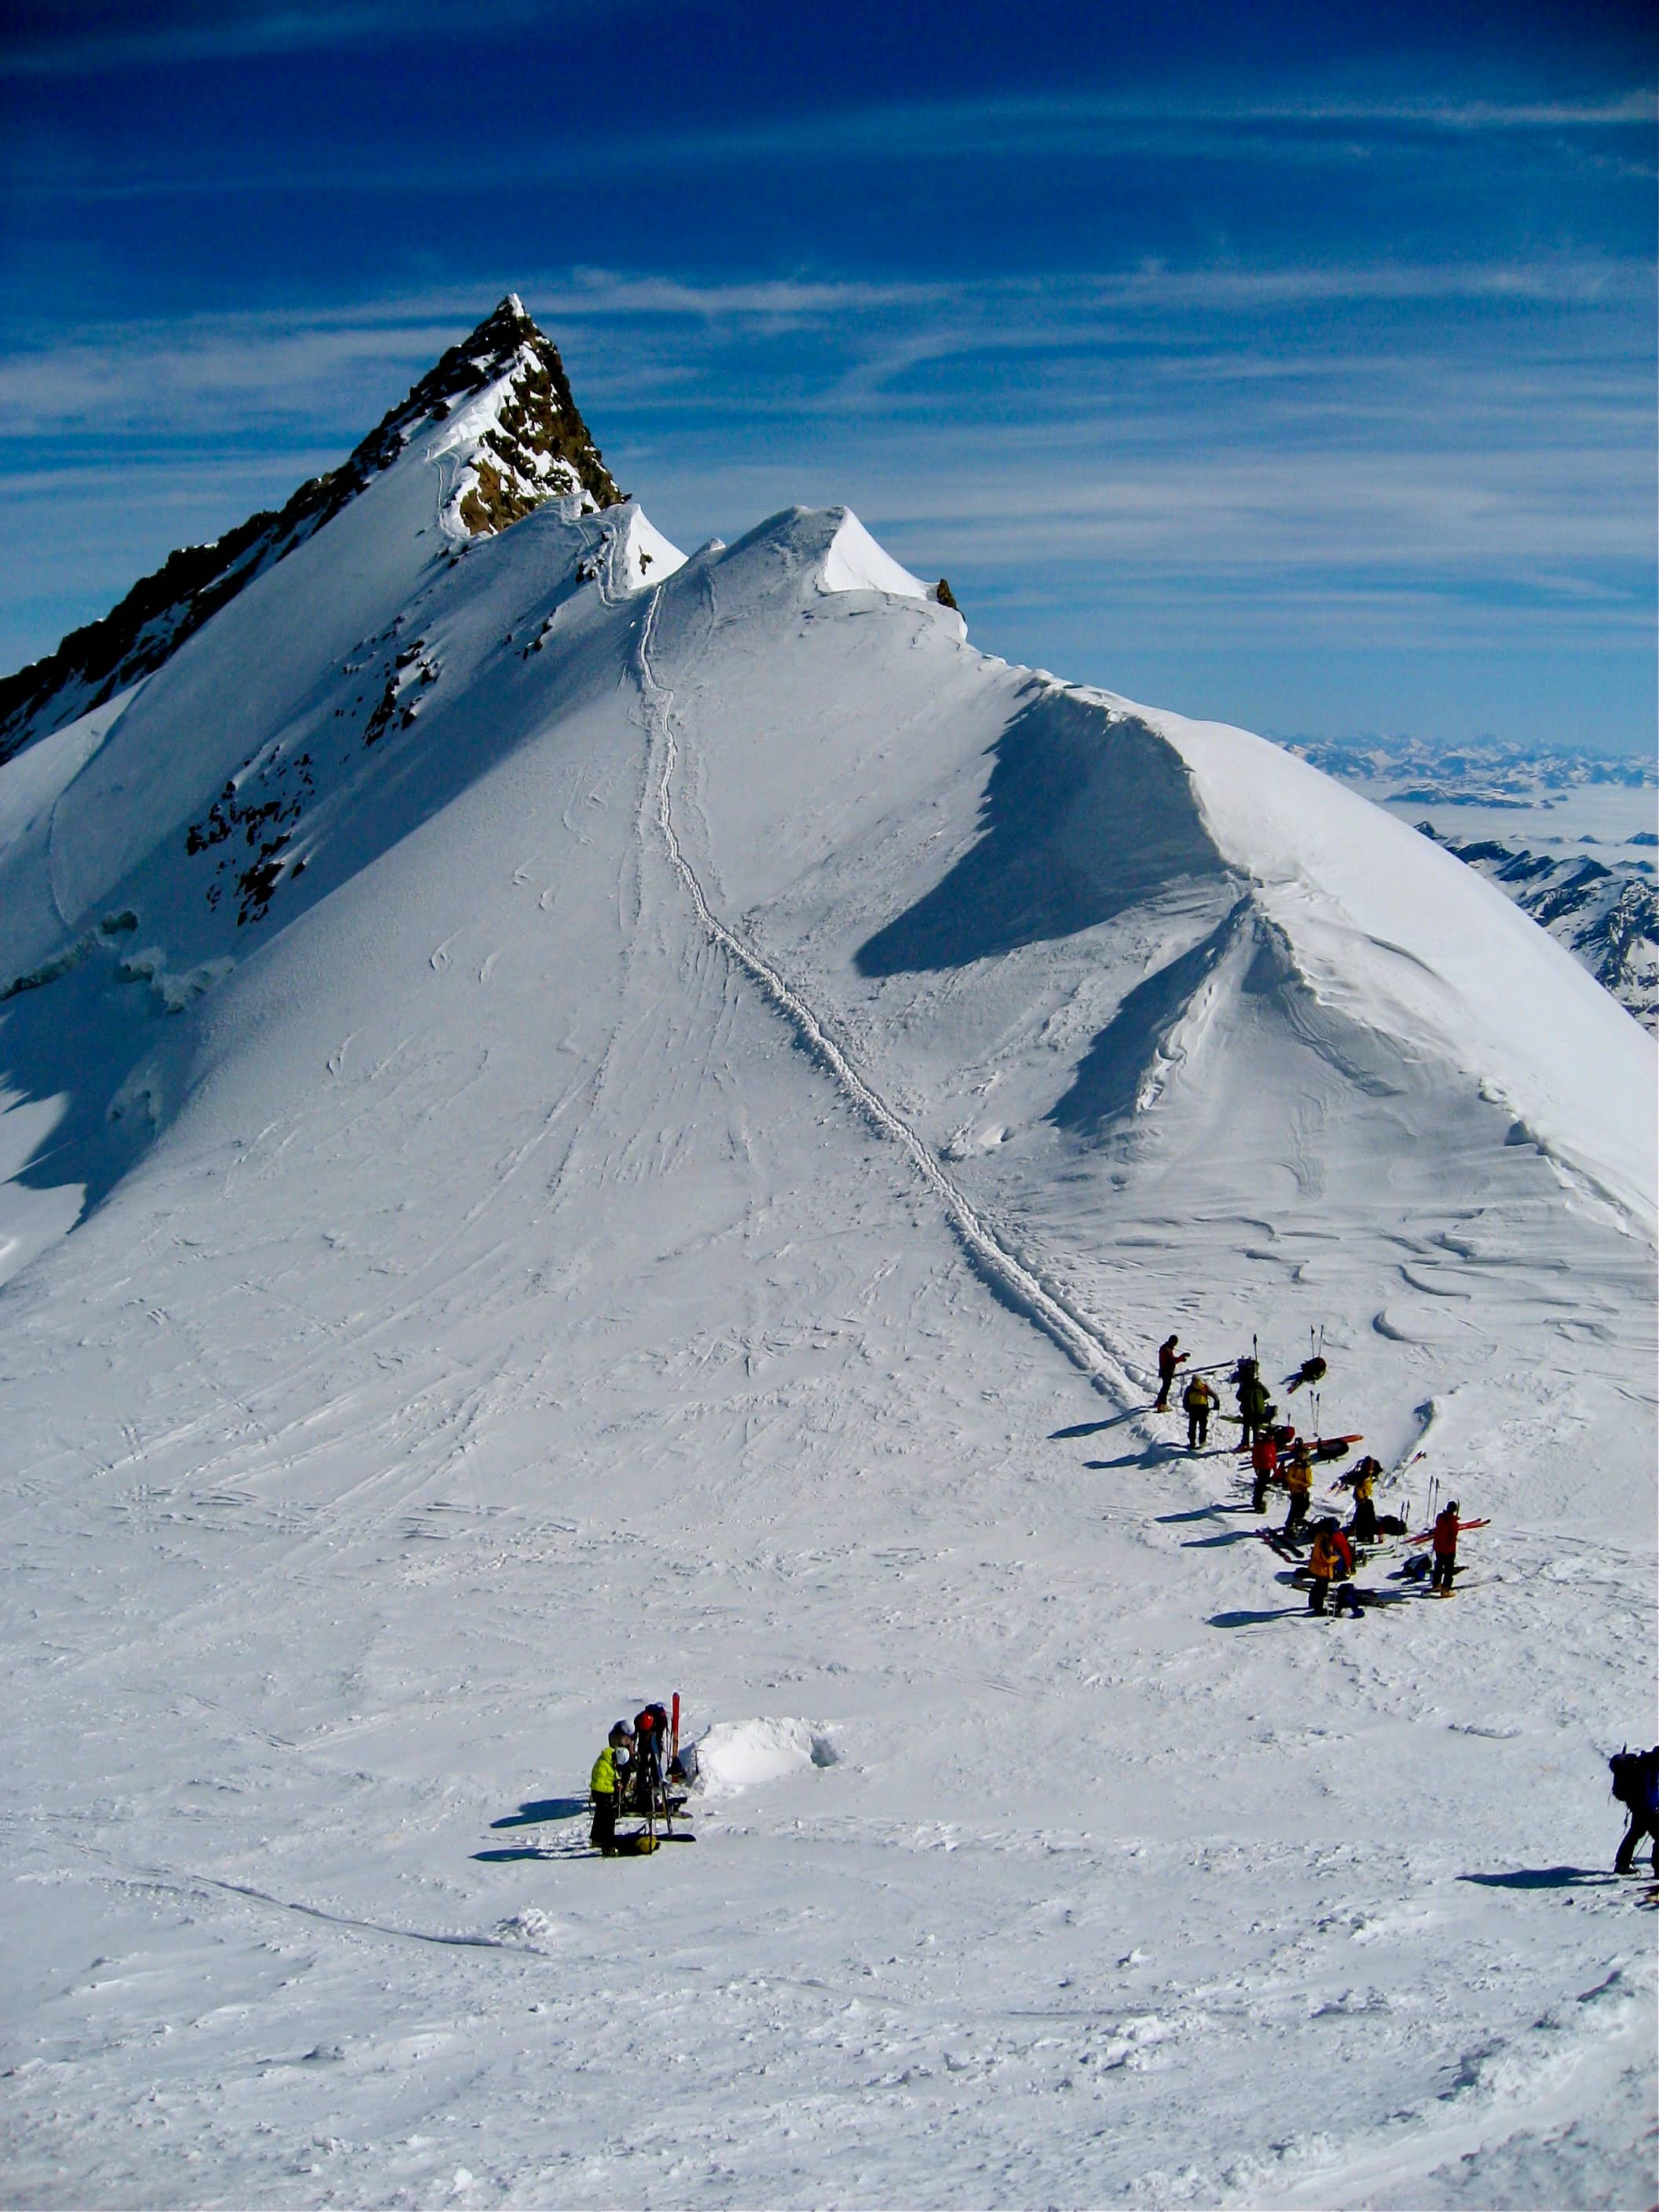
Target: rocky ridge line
(537,447)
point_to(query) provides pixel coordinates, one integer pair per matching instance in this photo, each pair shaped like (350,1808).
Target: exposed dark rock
(539,449)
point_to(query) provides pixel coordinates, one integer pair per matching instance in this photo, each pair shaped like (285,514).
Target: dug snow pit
(533,1925)
(737,1754)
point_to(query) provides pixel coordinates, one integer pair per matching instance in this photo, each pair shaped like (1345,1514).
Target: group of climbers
(1281,1459)
(633,1773)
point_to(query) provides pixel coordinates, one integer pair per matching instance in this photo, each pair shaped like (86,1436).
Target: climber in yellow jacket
(605,1782)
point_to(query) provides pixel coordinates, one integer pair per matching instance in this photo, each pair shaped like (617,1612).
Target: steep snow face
(644,1207)
(327,711)
(1388,928)
(1607,917)
(515,437)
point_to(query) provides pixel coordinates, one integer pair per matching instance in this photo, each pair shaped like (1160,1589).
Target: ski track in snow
(1078,1336)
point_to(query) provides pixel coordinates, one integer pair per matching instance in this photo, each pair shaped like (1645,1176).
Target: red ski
(1463,1527)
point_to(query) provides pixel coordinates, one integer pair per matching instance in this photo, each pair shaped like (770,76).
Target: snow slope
(679,1190)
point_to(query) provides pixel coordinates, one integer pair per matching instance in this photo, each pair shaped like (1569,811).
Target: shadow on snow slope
(1083,817)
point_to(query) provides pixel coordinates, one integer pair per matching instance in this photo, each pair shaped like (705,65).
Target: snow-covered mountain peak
(512,438)
(519,432)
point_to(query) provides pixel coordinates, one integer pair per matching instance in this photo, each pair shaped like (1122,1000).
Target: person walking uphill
(1167,1360)
(1199,1402)
(609,1770)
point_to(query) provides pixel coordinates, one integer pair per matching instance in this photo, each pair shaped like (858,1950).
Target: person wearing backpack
(1298,1480)
(1363,1483)
(1200,1401)
(1254,1410)
(1636,1786)
(1331,1563)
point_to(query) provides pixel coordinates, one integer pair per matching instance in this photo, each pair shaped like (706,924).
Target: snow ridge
(1080,1337)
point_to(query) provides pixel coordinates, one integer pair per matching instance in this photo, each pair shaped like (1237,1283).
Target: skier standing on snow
(1264,1458)
(1446,1527)
(1254,1409)
(1363,1483)
(1167,1360)
(1200,1401)
(1297,1478)
(651,1740)
(610,1772)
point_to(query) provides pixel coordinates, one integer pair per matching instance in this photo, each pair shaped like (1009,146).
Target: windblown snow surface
(680,1193)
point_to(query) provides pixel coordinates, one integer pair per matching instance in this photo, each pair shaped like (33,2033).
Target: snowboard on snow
(1323,1448)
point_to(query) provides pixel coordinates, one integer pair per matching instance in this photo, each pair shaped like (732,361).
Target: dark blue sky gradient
(1288,368)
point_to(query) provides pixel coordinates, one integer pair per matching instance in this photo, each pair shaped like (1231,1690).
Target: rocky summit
(531,445)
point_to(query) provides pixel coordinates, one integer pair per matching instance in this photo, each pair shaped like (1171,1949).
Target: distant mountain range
(1489,774)
(1603,907)
(1605,913)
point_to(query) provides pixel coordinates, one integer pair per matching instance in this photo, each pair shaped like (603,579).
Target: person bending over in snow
(1331,1563)
(1167,1360)
(1635,1785)
(1200,1401)
(610,1772)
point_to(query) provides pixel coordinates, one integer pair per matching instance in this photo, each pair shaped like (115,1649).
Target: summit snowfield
(584,1123)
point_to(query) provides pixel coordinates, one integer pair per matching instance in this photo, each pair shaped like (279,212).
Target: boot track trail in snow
(1078,1336)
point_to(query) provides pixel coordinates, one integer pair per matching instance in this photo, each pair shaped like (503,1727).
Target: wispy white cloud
(858,338)
(1023,128)
(1468,446)
(1018,124)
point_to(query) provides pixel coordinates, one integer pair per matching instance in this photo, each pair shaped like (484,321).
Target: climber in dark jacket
(1167,1360)
(1253,1405)
(1635,1785)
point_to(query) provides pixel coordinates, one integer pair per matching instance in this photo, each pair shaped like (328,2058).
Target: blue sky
(1296,371)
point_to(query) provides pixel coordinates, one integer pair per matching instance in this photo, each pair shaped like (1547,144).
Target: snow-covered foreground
(681,1194)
